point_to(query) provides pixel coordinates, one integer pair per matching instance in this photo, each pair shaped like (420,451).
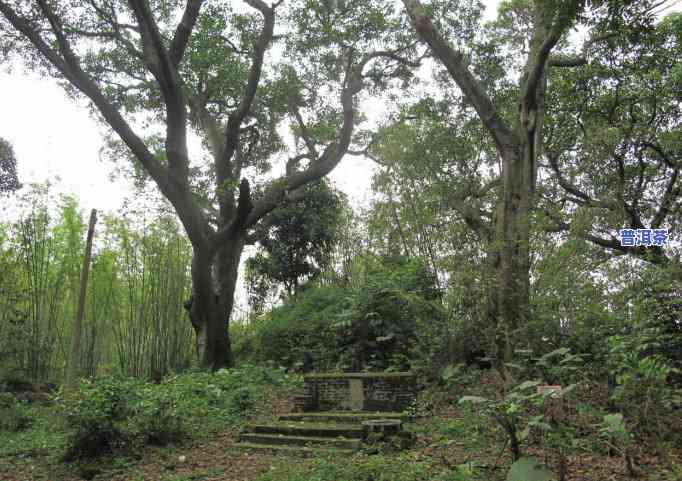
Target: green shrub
(396,320)
(642,390)
(241,401)
(13,415)
(44,436)
(158,418)
(390,319)
(96,417)
(561,367)
(616,434)
(302,324)
(213,401)
(512,412)
(110,415)
(7,400)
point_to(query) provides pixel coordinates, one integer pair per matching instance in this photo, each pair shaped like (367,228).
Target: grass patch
(107,424)
(357,468)
(46,435)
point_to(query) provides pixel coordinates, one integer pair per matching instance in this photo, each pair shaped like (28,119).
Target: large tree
(440,159)
(517,138)
(167,68)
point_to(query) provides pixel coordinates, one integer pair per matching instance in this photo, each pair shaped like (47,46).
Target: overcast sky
(54,137)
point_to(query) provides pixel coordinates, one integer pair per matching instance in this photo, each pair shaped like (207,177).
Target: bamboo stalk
(74,356)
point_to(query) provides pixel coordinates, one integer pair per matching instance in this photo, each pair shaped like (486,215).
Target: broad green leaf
(526,385)
(472,400)
(614,421)
(528,469)
(562,351)
(449,372)
(524,433)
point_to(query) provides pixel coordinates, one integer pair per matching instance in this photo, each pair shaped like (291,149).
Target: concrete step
(342,416)
(310,441)
(304,451)
(297,428)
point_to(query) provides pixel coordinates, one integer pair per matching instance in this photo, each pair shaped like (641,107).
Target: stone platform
(339,432)
(331,411)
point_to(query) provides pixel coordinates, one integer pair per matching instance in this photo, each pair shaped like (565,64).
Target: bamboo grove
(135,322)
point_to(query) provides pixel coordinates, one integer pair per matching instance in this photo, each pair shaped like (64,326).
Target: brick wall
(389,393)
(377,391)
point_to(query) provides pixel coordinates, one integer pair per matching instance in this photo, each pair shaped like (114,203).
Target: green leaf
(524,434)
(541,425)
(562,351)
(472,400)
(526,385)
(528,469)
(448,373)
(614,421)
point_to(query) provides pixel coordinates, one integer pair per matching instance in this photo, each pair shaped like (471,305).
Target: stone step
(296,428)
(342,416)
(310,441)
(304,451)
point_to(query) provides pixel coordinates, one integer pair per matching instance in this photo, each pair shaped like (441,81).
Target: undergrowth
(117,415)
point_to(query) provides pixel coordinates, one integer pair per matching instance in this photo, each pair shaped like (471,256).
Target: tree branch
(454,63)
(232,129)
(184,31)
(304,132)
(283,188)
(210,125)
(565,184)
(393,55)
(537,69)
(293,162)
(112,35)
(671,194)
(167,76)
(654,255)
(69,67)
(566,61)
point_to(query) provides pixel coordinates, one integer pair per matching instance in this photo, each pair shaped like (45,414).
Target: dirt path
(207,460)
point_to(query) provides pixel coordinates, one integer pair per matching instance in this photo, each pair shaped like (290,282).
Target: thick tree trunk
(228,260)
(214,281)
(216,251)
(493,347)
(513,238)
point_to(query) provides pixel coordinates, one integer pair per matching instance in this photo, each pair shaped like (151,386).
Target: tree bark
(216,251)
(518,148)
(513,256)
(214,280)
(74,355)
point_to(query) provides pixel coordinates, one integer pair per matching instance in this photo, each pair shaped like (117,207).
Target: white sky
(55,138)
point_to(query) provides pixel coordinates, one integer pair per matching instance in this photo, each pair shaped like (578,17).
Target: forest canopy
(508,157)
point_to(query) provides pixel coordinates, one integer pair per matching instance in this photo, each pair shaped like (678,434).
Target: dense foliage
(297,244)
(110,414)
(390,318)
(489,262)
(9,181)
